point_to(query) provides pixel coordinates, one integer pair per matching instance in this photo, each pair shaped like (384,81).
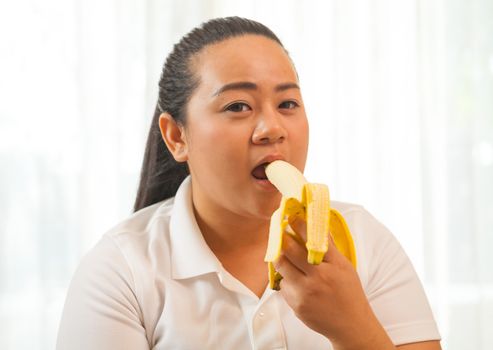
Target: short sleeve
(393,288)
(101,310)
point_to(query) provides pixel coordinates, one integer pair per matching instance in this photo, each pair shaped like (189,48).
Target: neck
(229,232)
(237,238)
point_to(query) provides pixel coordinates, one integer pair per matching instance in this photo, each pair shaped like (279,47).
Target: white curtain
(399,96)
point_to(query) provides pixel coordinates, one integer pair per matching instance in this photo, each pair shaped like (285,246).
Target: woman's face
(247,110)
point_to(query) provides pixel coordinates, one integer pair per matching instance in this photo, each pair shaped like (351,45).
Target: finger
(290,290)
(295,253)
(289,231)
(299,226)
(288,271)
(333,254)
(329,255)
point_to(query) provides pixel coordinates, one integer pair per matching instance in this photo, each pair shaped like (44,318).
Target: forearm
(370,335)
(379,340)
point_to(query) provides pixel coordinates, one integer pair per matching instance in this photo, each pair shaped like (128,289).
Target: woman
(186,271)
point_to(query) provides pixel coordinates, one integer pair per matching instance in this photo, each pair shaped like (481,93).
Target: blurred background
(399,95)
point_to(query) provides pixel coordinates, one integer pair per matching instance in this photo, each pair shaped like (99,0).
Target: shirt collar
(190,254)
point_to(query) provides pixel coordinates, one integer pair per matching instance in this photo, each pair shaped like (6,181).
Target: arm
(101,310)
(393,298)
(329,297)
(426,345)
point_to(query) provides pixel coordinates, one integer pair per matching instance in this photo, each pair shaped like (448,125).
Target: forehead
(252,58)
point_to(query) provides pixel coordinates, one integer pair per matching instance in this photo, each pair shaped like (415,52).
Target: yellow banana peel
(311,203)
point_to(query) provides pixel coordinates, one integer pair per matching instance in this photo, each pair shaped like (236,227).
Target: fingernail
(293,220)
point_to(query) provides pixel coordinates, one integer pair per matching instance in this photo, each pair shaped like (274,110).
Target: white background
(399,95)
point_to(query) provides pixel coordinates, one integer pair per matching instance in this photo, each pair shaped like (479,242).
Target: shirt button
(261,314)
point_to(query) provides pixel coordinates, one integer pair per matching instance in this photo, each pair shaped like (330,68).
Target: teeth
(311,202)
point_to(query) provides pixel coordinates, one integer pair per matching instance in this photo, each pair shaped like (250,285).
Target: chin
(265,209)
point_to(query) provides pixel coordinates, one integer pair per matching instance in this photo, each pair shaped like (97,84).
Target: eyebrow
(246,85)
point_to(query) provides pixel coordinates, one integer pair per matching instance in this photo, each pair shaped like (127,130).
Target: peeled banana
(310,202)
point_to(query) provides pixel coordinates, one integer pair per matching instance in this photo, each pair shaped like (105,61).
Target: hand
(329,297)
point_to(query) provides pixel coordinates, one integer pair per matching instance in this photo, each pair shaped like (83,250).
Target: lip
(265,184)
(269,159)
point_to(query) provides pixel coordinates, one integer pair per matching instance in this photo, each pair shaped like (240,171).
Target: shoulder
(147,224)
(364,226)
(388,278)
(141,241)
(123,249)
(143,220)
(123,257)
(113,287)
(376,246)
(117,278)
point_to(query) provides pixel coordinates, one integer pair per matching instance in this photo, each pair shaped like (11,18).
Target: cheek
(299,142)
(304,132)
(299,133)
(216,146)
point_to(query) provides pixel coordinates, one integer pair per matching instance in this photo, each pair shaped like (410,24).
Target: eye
(289,105)
(238,107)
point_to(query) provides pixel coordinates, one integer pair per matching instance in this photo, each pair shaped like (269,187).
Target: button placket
(266,327)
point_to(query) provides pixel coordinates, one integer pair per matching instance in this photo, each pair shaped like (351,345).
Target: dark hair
(161,175)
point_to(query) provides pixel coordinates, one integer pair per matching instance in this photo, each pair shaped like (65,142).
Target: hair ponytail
(161,175)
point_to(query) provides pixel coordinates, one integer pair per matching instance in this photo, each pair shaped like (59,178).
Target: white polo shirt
(152,282)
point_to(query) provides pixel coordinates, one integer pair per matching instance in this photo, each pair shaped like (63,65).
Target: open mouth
(259,172)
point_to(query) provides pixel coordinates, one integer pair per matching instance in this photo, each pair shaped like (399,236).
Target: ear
(174,137)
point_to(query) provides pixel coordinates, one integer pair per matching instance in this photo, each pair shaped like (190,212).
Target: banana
(311,203)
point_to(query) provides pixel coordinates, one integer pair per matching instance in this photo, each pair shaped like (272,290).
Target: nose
(269,129)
